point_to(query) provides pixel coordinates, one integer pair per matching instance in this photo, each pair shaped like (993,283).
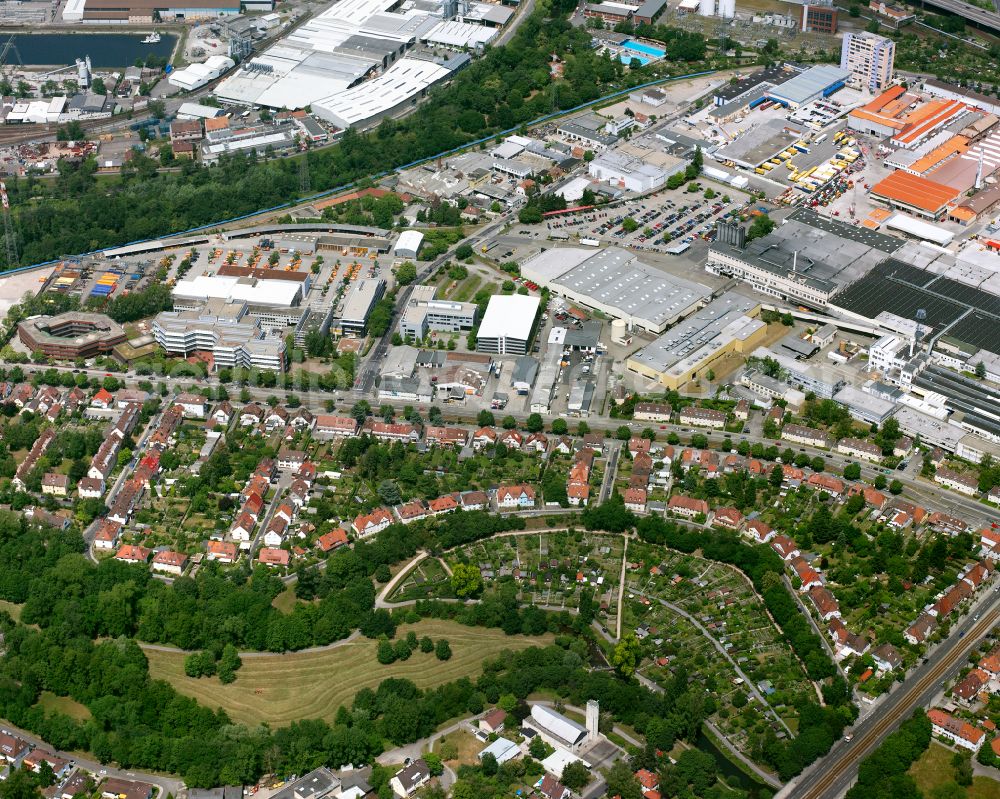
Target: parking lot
(662,221)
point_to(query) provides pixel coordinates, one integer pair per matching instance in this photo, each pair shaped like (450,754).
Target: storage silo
(706,8)
(727,9)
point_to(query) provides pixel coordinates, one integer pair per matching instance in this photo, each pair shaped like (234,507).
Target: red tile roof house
(537,442)
(512,439)
(952,598)
(446,436)
(758,531)
(388,431)
(968,689)
(411,512)
(370,523)
(636,444)
(728,517)
(785,547)
(917,632)
(635,500)
(978,573)
(170,562)
(648,781)
(578,493)
(222,551)
(959,732)
(483,437)
(133,554)
(687,506)
(492,721)
(332,540)
(827,484)
(826,603)
(516,496)
(130,789)
(13,749)
(273,557)
(873,497)
(242,528)
(551,788)
(107,535)
(808,576)
(444,504)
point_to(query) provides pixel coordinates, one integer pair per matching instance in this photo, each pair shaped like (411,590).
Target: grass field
(12,609)
(63,704)
(934,768)
(285,601)
(282,688)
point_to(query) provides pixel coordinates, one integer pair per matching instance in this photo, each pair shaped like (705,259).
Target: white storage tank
(619,331)
(706,8)
(727,9)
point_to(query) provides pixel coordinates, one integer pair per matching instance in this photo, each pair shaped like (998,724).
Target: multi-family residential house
(957,481)
(368,524)
(703,417)
(329,426)
(515,496)
(857,448)
(956,730)
(687,506)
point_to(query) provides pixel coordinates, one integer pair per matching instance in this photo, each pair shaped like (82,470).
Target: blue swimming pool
(628,58)
(639,47)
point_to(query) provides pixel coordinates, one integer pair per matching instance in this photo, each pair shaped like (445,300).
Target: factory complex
(360,60)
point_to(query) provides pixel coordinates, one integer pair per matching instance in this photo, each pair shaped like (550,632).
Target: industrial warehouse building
(358,61)
(71,335)
(617,283)
(110,12)
(805,260)
(190,294)
(508,324)
(726,326)
(194,76)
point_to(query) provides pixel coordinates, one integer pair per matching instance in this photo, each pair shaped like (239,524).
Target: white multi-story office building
(869,58)
(423,313)
(223,332)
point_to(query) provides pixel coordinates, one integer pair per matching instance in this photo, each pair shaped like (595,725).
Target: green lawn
(282,688)
(934,768)
(63,704)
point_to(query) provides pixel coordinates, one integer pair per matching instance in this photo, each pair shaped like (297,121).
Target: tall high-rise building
(869,58)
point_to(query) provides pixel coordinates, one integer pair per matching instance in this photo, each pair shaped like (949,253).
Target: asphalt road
(831,776)
(167,785)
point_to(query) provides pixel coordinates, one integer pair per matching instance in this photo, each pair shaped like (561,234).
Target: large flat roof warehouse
(349,41)
(465,35)
(707,333)
(402,82)
(760,143)
(822,253)
(274,293)
(819,81)
(617,283)
(509,316)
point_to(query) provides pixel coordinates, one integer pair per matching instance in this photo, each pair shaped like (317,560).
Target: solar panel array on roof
(902,289)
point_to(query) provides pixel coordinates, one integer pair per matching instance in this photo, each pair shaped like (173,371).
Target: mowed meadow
(280,689)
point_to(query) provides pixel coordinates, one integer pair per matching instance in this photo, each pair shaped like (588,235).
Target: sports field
(279,689)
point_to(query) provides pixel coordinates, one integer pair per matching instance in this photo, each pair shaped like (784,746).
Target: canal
(730,771)
(106,50)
